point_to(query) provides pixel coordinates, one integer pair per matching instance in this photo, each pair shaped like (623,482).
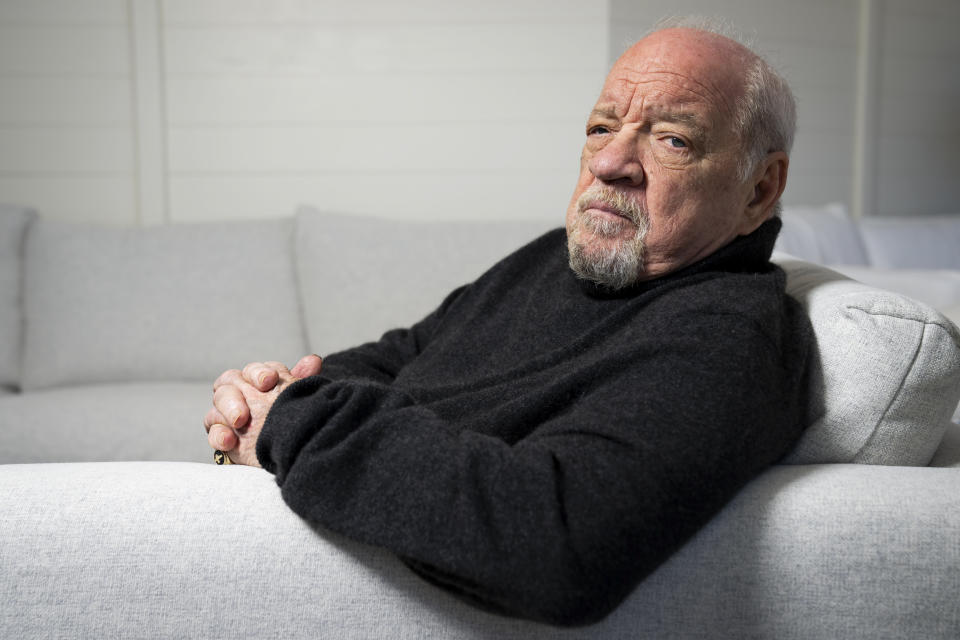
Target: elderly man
(556,429)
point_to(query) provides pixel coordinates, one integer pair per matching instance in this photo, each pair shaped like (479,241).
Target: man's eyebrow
(604,112)
(686,118)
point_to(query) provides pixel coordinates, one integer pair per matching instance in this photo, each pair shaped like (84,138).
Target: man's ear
(768,180)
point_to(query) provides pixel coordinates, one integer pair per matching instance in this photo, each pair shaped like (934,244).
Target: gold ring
(221,458)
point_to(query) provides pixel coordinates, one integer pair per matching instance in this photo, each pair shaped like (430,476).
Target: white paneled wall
(146,111)
(918,123)
(67,144)
(428,109)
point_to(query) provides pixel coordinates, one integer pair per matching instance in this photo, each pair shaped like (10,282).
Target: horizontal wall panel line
(361,172)
(564,73)
(365,124)
(320,73)
(31,75)
(62,24)
(63,174)
(21,125)
(377,24)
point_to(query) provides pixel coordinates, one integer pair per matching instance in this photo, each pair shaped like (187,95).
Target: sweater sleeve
(382,360)
(561,525)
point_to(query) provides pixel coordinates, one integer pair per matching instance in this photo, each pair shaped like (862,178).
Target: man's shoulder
(545,249)
(548,242)
(724,289)
(710,300)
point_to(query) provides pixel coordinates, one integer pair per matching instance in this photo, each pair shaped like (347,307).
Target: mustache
(629,207)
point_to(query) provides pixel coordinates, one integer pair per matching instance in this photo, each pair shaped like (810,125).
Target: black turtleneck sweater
(538,445)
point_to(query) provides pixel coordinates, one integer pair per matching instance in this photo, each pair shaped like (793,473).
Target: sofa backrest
(179,302)
(14,222)
(925,242)
(361,276)
(175,303)
(825,235)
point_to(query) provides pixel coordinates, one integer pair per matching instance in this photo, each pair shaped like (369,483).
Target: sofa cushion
(180,302)
(825,235)
(888,377)
(13,225)
(927,242)
(106,422)
(362,276)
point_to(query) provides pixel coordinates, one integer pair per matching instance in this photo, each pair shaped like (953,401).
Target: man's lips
(603,207)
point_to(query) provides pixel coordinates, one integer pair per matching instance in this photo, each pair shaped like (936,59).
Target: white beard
(599,249)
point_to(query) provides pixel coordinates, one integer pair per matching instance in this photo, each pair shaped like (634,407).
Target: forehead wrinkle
(708,94)
(658,93)
(708,91)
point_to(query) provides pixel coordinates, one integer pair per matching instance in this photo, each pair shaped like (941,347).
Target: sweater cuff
(317,412)
(276,431)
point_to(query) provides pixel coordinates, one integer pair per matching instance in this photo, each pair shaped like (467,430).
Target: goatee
(601,248)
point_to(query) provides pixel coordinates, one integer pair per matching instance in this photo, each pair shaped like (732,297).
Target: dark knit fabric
(538,445)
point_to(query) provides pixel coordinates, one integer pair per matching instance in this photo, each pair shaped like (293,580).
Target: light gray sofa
(110,341)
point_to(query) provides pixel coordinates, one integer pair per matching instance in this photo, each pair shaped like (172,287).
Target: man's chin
(603,243)
(609,262)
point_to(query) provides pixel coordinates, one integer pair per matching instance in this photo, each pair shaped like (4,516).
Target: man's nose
(619,160)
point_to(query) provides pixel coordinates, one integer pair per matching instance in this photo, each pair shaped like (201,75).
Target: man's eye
(597,130)
(676,142)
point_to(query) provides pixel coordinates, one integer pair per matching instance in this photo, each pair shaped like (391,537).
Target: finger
(282,372)
(307,366)
(233,377)
(222,437)
(225,377)
(261,375)
(230,402)
(213,417)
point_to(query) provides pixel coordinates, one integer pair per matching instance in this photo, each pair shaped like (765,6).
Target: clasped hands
(243,398)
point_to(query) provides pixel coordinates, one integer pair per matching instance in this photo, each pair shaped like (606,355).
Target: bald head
(713,65)
(682,155)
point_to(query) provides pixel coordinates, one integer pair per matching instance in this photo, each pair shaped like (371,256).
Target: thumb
(307,366)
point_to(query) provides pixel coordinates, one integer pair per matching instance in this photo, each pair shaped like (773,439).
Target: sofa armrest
(819,551)
(193,550)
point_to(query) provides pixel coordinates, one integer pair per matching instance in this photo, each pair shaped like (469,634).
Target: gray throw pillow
(362,276)
(888,376)
(178,302)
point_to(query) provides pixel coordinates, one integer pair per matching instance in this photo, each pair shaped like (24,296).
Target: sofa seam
(948,326)
(913,361)
(31,217)
(298,284)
